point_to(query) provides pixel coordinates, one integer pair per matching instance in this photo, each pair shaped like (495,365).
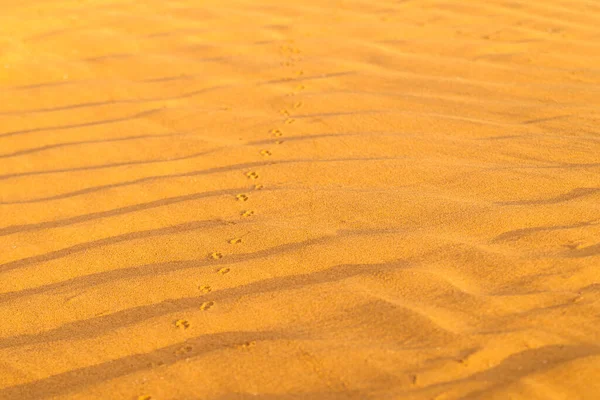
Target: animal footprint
(241,197)
(235,241)
(279,142)
(276,132)
(247,345)
(258,187)
(290,121)
(182,324)
(183,350)
(284,112)
(223,271)
(298,104)
(265,153)
(300,87)
(205,289)
(206,305)
(247,213)
(216,255)
(252,175)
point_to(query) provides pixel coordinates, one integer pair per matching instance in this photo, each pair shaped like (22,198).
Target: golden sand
(243,199)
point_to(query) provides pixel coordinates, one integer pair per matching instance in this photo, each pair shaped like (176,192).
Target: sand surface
(242,199)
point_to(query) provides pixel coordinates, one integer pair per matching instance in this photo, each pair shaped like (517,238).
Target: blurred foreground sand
(282,200)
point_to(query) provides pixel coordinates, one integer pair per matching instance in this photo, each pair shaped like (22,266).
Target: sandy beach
(254,199)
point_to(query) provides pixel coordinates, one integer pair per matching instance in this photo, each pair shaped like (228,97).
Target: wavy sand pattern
(319,200)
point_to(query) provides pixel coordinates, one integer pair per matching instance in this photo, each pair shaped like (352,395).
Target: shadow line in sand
(81,247)
(81,378)
(519,233)
(104,166)
(308,78)
(68,144)
(215,170)
(97,326)
(9,230)
(87,281)
(83,124)
(163,160)
(99,104)
(589,251)
(520,365)
(572,195)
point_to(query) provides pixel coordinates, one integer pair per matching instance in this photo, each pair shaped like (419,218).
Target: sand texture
(260,199)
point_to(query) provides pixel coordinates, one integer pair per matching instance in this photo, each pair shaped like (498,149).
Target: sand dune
(319,200)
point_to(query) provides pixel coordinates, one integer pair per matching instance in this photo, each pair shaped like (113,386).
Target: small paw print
(205,289)
(182,324)
(183,350)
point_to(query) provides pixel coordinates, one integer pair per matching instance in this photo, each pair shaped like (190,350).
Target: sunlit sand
(244,199)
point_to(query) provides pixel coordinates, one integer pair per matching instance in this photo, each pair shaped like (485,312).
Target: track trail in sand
(319,200)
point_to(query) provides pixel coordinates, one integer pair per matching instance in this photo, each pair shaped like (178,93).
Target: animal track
(276,132)
(265,153)
(290,121)
(235,241)
(183,350)
(241,197)
(205,289)
(258,187)
(298,104)
(289,49)
(156,364)
(206,305)
(182,324)
(247,345)
(247,213)
(251,175)
(223,271)
(216,255)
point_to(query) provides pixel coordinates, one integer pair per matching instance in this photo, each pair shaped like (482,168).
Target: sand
(244,199)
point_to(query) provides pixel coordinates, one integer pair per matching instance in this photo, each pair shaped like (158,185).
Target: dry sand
(281,200)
